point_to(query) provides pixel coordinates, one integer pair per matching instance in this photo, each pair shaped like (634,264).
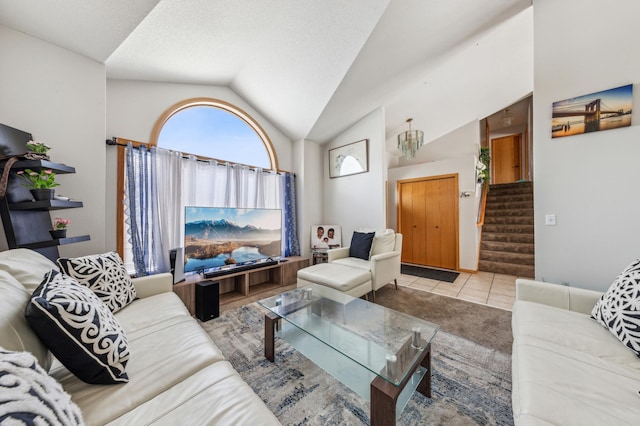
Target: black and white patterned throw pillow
(79,330)
(105,275)
(619,308)
(29,396)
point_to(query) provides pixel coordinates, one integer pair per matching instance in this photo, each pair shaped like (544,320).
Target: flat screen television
(216,237)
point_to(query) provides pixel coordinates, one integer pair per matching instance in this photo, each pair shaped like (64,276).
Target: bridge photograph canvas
(608,109)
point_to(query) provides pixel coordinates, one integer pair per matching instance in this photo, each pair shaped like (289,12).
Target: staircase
(507,234)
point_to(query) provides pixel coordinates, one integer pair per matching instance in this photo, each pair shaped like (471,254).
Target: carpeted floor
(431,273)
(487,326)
(471,382)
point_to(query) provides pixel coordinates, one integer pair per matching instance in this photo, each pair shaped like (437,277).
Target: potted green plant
(38,147)
(40,183)
(482,166)
(59,228)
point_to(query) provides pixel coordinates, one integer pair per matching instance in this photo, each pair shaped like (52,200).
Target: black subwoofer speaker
(207,300)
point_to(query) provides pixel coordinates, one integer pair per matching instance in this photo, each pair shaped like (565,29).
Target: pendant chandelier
(506,118)
(410,141)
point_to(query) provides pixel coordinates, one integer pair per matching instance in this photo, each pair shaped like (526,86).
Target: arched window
(211,128)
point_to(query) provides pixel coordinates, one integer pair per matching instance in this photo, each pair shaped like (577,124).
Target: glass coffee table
(381,354)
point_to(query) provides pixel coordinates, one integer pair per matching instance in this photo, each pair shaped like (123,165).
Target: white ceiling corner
(92,28)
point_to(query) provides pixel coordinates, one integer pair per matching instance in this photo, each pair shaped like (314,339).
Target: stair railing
(483,203)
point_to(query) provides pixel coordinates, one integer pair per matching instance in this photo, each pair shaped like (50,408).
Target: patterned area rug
(471,384)
(434,274)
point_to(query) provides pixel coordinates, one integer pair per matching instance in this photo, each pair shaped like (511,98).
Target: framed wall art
(349,159)
(608,109)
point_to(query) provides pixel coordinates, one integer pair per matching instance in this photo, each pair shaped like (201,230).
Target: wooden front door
(428,221)
(505,159)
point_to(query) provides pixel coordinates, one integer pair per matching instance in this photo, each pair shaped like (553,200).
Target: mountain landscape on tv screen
(210,243)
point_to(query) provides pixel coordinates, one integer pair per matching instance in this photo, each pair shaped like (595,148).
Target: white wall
(474,80)
(133,107)
(310,191)
(59,97)
(468,232)
(589,181)
(357,201)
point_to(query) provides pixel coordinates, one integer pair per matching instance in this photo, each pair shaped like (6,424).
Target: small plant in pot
(59,228)
(39,147)
(40,183)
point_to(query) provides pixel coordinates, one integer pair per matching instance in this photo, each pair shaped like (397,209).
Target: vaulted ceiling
(313,68)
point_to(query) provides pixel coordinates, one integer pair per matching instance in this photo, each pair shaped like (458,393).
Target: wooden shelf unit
(27,222)
(240,285)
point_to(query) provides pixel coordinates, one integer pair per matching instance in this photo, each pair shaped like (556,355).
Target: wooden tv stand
(243,284)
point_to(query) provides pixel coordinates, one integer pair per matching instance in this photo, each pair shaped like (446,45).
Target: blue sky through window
(214,132)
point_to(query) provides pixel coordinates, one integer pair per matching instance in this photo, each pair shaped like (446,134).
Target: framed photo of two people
(326,236)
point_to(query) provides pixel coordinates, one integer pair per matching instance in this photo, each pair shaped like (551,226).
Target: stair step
(510,247)
(508,220)
(525,271)
(498,186)
(506,257)
(511,198)
(508,212)
(509,205)
(507,228)
(508,232)
(511,192)
(508,238)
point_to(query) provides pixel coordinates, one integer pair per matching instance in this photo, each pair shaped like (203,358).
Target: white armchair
(383,263)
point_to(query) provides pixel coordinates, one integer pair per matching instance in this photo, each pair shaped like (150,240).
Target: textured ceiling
(313,68)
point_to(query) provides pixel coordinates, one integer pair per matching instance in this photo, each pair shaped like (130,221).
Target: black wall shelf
(56,242)
(42,164)
(45,205)
(27,222)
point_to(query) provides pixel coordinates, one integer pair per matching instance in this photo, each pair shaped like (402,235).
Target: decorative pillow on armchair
(361,245)
(105,274)
(383,242)
(619,308)
(29,396)
(79,330)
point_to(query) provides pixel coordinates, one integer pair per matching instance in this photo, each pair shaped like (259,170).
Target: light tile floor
(486,288)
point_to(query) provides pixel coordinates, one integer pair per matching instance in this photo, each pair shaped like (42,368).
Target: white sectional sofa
(567,368)
(177,375)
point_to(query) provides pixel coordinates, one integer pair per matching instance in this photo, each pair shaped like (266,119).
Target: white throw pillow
(619,308)
(383,243)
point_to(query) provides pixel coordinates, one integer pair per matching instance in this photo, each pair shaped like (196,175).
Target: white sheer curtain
(170,178)
(188,181)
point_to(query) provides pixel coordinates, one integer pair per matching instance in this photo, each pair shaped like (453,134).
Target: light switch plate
(550,220)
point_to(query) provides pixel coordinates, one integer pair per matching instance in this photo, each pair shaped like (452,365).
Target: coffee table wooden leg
(384,395)
(270,323)
(424,387)
(383,403)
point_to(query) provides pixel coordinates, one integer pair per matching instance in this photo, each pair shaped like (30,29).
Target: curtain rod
(114,142)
